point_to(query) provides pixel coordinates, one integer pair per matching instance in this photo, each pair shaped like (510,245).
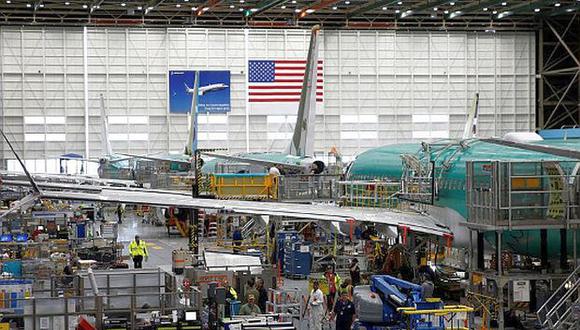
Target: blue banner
(214,91)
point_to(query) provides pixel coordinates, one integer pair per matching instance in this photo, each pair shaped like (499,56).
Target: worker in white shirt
(316,306)
(274,171)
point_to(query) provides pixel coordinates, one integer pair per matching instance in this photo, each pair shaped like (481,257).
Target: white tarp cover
(234,262)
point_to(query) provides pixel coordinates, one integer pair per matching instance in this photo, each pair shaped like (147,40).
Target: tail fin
(32,182)
(302,143)
(191,144)
(105,128)
(470,129)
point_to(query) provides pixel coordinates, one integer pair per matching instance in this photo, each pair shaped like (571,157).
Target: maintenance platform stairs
(562,309)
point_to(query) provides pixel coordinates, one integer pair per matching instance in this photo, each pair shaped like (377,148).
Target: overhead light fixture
(435,8)
(232,6)
(8,1)
(446,12)
(569,10)
(485,9)
(85,6)
(455,14)
(207,8)
(557,4)
(294,1)
(490,30)
(139,8)
(384,8)
(334,8)
(309,11)
(68,3)
(195,8)
(253,10)
(494,12)
(297,10)
(283,7)
(504,14)
(242,1)
(241,9)
(347,2)
(407,13)
(28,5)
(537,10)
(397,11)
(504,3)
(452,3)
(178,5)
(400,3)
(123,4)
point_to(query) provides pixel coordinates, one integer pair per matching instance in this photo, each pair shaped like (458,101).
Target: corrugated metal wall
(381,87)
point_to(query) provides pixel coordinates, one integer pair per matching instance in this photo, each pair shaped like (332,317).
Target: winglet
(32,182)
(105,131)
(470,129)
(191,144)
(302,143)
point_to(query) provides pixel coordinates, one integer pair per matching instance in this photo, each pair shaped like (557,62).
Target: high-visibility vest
(138,249)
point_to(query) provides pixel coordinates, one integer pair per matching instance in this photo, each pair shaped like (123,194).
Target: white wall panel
(376,82)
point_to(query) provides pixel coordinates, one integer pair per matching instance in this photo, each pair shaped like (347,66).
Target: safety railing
(243,186)
(523,194)
(307,187)
(561,308)
(171,181)
(128,311)
(380,194)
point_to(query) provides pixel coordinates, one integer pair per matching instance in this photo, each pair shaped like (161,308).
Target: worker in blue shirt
(344,312)
(237,238)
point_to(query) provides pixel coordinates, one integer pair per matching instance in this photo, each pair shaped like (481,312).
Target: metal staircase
(562,309)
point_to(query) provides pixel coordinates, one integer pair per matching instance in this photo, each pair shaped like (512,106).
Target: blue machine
(388,293)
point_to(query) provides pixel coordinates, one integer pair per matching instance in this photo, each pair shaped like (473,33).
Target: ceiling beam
(209,4)
(322,4)
(424,6)
(370,6)
(264,5)
(524,7)
(96,4)
(565,10)
(474,4)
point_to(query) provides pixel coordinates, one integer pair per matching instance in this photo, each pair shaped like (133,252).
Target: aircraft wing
(414,221)
(156,158)
(263,162)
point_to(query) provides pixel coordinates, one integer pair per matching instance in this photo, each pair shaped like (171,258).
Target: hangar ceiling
(386,14)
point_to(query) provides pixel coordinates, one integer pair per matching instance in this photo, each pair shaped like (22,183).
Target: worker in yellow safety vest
(138,252)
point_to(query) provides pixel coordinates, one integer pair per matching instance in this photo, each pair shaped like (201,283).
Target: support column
(563,249)
(544,248)
(480,251)
(499,254)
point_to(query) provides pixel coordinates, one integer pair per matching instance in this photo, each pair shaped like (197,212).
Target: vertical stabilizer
(470,129)
(302,143)
(191,144)
(105,129)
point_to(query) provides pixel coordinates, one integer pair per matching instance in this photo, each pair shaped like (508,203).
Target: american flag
(280,81)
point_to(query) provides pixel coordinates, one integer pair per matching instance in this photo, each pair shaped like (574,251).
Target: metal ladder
(561,310)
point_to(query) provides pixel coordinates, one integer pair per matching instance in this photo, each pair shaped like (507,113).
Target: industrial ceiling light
(241,1)
(283,7)
(253,10)
(139,8)
(68,3)
(446,12)
(28,5)
(452,3)
(384,8)
(504,14)
(504,3)
(485,9)
(557,4)
(494,12)
(232,6)
(537,10)
(347,2)
(435,8)
(178,5)
(123,4)
(309,11)
(407,13)
(241,9)
(297,10)
(455,14)
(8,1)
(397,11)
(334,8)
(293,1)
(207,8)
(400,3)
(85,6)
